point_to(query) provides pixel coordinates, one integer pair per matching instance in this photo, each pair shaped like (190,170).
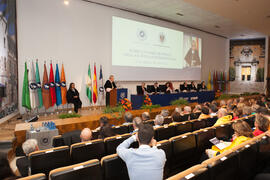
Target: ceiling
(236,19)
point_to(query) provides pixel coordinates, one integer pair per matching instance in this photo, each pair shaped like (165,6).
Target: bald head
(86,135)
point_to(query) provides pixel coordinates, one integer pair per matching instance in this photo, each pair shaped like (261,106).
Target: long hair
(70,86)
(242,128)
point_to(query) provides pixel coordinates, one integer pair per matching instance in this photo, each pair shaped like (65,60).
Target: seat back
(167,120)
(113,167)
(95,134)
(183,149)
(39,176)
(184,117)
(211,121)
(264,150)
(166,146)
(120,129)
(150,122)
(183,127)
(197,172)
(87,170)
(46,160)
(198,124)
(202,139)
(195,115)
(111,143)
(250,120)
(130,128)
(165,132)
(85,151)
(224,132)
(58,141)
(72,137)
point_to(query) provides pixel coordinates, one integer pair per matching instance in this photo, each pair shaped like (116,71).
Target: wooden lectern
(113,97)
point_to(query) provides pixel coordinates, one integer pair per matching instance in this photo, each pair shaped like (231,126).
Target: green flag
(89,85)
(25,90)
(38,86)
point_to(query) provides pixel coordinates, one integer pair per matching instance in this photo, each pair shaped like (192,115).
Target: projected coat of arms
(247,61)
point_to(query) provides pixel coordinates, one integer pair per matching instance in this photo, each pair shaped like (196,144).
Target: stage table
(165,99)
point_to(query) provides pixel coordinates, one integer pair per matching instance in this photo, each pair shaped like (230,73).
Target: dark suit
(193,87)
(72,137)
(156,90)
(141,90)
(184,88)
(192,58)
(111,85)
(76,101)
(23,165)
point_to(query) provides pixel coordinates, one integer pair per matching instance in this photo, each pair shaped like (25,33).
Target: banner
(25,90)
(101,87)
(63,86)
(46,89)
(89,85)
(38,86)
(95,95)
(33,87)
(57,87)
(52,86)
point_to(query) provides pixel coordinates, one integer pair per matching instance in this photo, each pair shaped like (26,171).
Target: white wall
(81,33)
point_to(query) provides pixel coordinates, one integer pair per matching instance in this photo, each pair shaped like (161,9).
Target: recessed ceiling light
(179,14)
(216,26)
(66,2)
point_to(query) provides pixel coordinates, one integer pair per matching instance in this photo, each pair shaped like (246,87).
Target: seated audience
(237,113)
(137,121)
(215,103)
(128,118)
(145,116)
(246,111)
(178,109)
(6,172)
(223,117)
(158,121)
(222,104)
(164,112)
(242,133)
(187,110)
(169,88)
(261,124)
(213,110)
(146,162)
(23,163)
(175,117)
(241,103)
(197,109)
(86,135)
(205,113)
(106,131)
(254,108)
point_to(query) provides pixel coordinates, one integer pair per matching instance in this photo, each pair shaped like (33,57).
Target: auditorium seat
(197,172)
(202,139)
(250,120)
(120,129)
(211,121)
(164,132)
(166,146)
(223,167)
(72,137)
(183,149)
(198,124)
(130,128)
(58,141)
(150,122)
(85,151)
(167,120)
(111,143)
(224,132)
(183,127)
(184,117)
(39,176)
(264,150)
(46,160)
(89,170)
(195,115)
(95,134)
(113,167)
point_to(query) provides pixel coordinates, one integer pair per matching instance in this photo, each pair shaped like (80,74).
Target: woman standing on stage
(73,97)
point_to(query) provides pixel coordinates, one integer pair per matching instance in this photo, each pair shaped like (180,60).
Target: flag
(33,87)
(57,87)
(25,91)
(209,81)
(38,86)
(63,86)
(52,86)
(95,85)
(46,89)
(89,85)
(100,87)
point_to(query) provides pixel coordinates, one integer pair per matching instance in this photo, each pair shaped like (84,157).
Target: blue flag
(58,87)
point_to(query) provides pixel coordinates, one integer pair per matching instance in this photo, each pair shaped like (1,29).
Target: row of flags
(219,81)
(52,90)
(94,88)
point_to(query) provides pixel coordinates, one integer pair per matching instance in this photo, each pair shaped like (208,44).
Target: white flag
(101,88)
(33,87)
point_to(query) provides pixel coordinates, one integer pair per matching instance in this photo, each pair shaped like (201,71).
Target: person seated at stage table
(242,133)
(223,117)
(193,86)
(145,116)
(159,119)
(202,86)
(169,88)
(6,172)
(29,146)
(86,135)
(205,113)
(142,89)
(156,89)
(128,118)
(137,122)
(261,125)
(184,87)
(74,97)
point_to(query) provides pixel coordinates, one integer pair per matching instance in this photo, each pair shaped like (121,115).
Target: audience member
(106,131)
(237,113)
(176,116)
(137,121)
(261,124)
(187,110)
(23,163)
(242,133)
(86,135)
(223,117)
(128,118)
(6,172)
(222,104)
(246,111)
(205,113)
(164,112)
(145,116)
(197,109)
(158,121)
(213,110)
(178,109)
(103,121)
(146,162)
